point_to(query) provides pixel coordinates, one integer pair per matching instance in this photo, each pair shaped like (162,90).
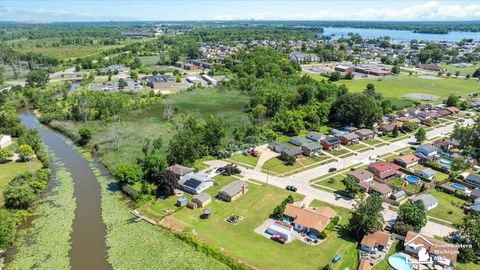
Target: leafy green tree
(421,135)
(351,186)
(356,109)
(153,164)
(7,229)
(37,78)
(459,164)
(467,232)
(366,216)
(409,126)
(395,132)
(396,70)
(453,100)
(5,154)
(2,78)
(128,173)
(122,83)
(411,216)
(25,152)
(134,74)
(18,196)
(476,73)
(335,76)
(85,135)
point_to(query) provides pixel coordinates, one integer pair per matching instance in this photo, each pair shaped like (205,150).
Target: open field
(243,160)
(278,166)
(11,169)
(150,122)
(399,86)
(452,68)
(449,207)
(241,241)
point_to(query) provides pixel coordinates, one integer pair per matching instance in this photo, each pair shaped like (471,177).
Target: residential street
(302,180)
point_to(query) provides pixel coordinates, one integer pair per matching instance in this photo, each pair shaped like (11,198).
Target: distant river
(400,35)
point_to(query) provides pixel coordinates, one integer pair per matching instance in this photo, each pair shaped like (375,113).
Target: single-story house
(383,190)
(337,132)
(377,241)
(428,201)
(315,136)
(383,170)
(309,220)
(427,173)
(426,151)
(406,161)
(330,142)
(311,148)
(387,128)
(423,116)
(202,199)
(277,147)
(361,175)
(280,228)
(399,195)
(195,183)
(473,179)
(233,191)
(365,134)
(453,110)
(304,57)
(5,141)
(298,141)
(291,152)
(447,144)
(444,112)
(475,194)
(349,138)
(427,248)
(180,170)
(350,129)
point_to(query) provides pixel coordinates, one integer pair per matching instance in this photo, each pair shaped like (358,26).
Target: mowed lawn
(151,123)
(11,169)
(449,207)
(243,243)
(403,85)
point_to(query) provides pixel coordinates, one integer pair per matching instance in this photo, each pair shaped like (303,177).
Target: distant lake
(399,35)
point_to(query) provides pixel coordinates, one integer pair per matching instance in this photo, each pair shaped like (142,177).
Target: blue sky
(72,10)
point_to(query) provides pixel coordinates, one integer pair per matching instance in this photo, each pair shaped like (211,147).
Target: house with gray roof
(195,183)
(298,141)
(302,57)
(428,201)
(291,152)
(473,179)
(475,194)
(202,199)
(233,191)
(180,170)
(361,175)
(399,195)
(311,148)
(365,134)
(426,151)
(277,147)
(349,138)
(315,136)
(330,142)
(427,173)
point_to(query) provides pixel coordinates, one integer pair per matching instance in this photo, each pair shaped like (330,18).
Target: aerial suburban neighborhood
(240,135)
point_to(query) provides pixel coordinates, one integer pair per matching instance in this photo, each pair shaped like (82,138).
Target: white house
(195,183)
(5,141)
(428,201)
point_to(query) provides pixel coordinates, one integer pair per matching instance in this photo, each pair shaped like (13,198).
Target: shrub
(130,192)
(128,173)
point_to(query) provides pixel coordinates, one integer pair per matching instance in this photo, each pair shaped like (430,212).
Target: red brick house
(383,170)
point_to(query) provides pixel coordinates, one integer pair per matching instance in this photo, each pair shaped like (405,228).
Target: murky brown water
(88,236)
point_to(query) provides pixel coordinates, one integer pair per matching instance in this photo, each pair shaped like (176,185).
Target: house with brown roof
(452,110)
(361,175)
(309,220)
(233,191)
(364,265)
(444,112)
(383,170)
(387,128)
(376,241)
(365,134)
(426,248)
(180,170)
(348,138)
(383,190)
(407,161)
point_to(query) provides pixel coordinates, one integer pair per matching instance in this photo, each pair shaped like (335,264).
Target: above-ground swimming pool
(412,179)
(445,161)
(399,263)
(458,186)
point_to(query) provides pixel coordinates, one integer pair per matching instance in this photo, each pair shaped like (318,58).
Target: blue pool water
(445,161)
(412,179)
(458,186)
(399,263)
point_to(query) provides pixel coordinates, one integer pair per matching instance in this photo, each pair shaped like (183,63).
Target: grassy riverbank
(138,245)
(46,244)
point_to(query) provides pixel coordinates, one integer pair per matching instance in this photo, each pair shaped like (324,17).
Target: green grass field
(150,122)
(243,160)
(240,240)
(452,68)
(399,86)
(11,169)
(449,207)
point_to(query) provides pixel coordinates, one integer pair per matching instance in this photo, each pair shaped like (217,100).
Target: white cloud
(430,10)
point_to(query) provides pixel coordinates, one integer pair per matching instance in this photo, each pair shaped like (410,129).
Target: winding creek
(88,248)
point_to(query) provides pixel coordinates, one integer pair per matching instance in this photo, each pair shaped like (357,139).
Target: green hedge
(131,192)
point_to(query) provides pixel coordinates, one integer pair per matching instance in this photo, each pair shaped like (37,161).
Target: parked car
(278,238)
(333,169)
(219,170)
(291,188)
